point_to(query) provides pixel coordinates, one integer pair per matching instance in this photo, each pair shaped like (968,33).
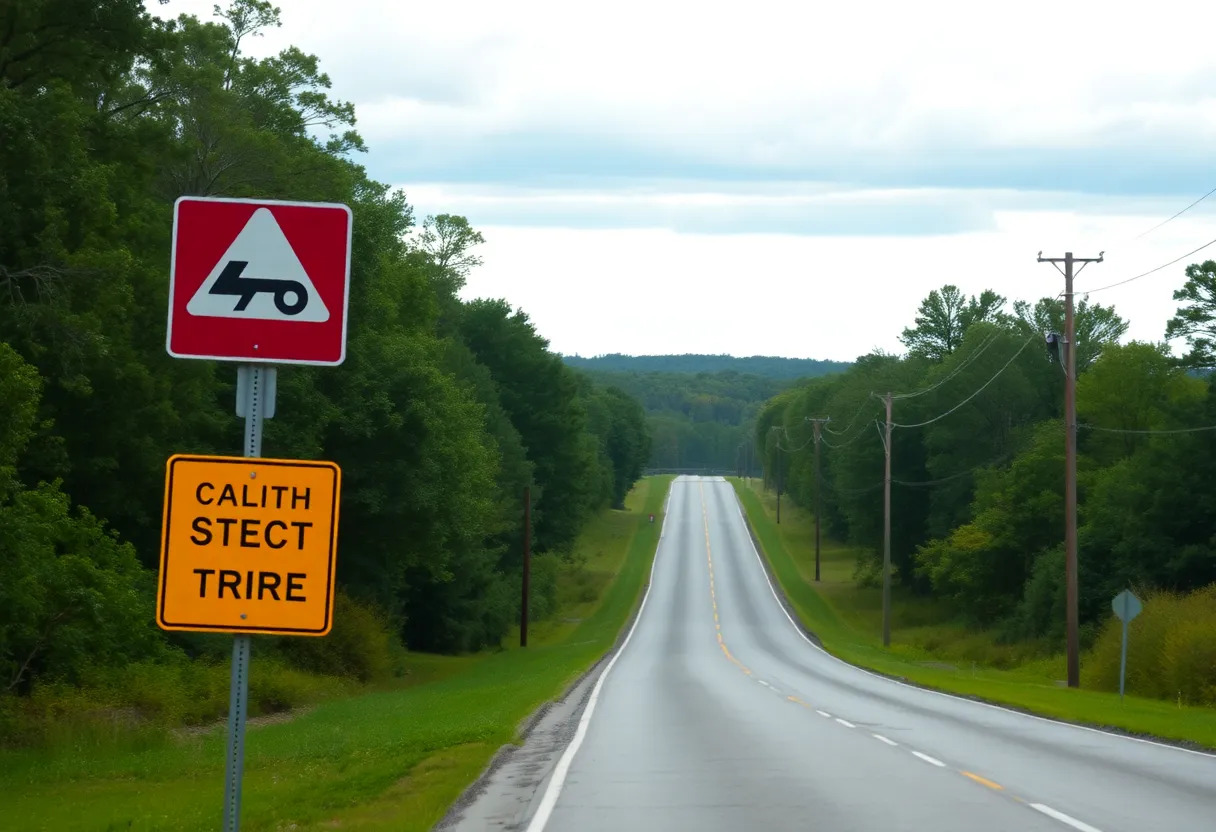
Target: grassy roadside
(923,650)
(386,760)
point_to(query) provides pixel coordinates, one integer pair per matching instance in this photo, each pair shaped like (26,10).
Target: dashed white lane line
(929,759)
(766,684)
(845,723)
(1063,818)
(881,738)
(824,714)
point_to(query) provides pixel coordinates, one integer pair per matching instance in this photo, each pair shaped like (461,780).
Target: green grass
(386,760)
(928,649)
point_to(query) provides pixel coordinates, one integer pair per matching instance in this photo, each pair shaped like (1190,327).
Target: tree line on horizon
(443,412)
(977,459)
(701,408)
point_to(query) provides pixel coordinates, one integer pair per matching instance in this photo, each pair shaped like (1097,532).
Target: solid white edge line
(798,630)
(845,723)
(549,801)
(929,759)
(881,738)
(1063,818)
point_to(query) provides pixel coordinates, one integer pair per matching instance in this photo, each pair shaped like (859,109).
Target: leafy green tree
(541,395)
(449,241)
(1195,319)
(71,595)
(1132,387)
(945,316)
(1097,326)
(1018,511)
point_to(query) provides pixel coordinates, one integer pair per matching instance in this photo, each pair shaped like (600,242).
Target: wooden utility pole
(817,424)
(1070,459)
(523,609)
(886,535)
(777,445)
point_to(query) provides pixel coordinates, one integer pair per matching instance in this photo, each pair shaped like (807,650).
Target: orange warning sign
(248,545)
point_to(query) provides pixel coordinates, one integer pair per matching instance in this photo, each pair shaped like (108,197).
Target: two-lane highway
(718,714)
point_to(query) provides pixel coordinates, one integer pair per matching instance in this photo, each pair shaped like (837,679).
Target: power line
(940,480)
(860,410)
(1120,430)
(967,362)
(976,393)
(851,441)
(794,450)
(1150,271)
(1176,216)
(850,492)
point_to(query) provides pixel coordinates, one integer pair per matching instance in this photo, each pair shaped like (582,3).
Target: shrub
(362,644)
(1171,649)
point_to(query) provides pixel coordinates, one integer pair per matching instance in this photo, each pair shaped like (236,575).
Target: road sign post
(249,544)
(1127,606)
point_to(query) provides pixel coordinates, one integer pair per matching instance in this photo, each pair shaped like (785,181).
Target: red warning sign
(259,281)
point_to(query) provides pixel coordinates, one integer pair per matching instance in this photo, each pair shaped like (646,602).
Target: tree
(1096,326)
(541,395)
(1195,320)
(944,318)
(1132,387)
(449,241)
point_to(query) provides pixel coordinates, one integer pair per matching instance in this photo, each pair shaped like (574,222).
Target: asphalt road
(717,714)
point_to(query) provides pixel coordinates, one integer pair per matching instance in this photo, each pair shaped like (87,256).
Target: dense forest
(701,408)
(768,366)
(977,447)
(443,412)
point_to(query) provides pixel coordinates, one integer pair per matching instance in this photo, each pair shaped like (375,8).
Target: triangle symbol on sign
(259,277)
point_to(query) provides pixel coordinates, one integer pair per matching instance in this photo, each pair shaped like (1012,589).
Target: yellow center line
(983,781)
(709,558)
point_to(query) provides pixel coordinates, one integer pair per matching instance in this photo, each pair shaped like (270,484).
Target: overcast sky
(783,178)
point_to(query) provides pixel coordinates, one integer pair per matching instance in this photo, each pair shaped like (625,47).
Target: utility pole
(523,609)
(777,445)
(1070,458)
(778,482)
(886,535)
(817,424)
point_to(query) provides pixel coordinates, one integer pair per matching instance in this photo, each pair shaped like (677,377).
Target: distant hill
(701,408)
(759,365)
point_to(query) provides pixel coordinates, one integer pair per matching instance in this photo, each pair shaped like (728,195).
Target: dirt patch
(252,722)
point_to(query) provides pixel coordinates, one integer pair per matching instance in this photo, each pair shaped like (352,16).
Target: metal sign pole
(1126,606)
(1123,659)
(255,395)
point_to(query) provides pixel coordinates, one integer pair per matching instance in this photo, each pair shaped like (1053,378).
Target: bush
(1171,649)
(71,594)
(362,644)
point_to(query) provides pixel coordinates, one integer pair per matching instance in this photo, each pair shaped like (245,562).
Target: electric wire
(1147,273)
(973,395)
(964,364)
(851,441)
(1160,431)
(1176,216)
(865,404)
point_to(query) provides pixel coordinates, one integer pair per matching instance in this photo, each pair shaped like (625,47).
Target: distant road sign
(259,281)
(248,545)
(1126,605)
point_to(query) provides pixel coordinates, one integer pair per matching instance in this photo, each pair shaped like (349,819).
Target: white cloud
(923,143)
(654,291)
